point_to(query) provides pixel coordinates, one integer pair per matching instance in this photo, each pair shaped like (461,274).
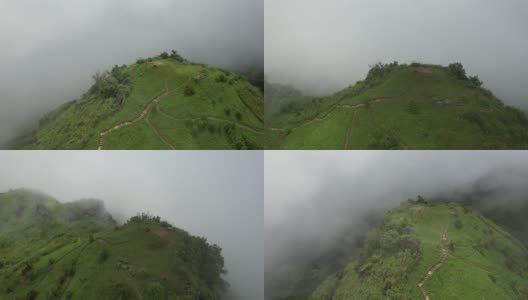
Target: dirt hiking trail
(437,265)
(140,117)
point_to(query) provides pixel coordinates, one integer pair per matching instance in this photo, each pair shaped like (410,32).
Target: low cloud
(215,194)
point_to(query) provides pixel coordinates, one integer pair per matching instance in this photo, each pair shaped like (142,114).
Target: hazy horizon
(313,198)
(321,47)
(52,48)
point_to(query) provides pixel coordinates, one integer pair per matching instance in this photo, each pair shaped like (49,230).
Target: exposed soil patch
(348,131)
(162,232)
(423,70)
(157,63)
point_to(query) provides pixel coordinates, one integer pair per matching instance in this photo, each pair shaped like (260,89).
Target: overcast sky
(313,197)
(323,46)
(50,49)
(216,194)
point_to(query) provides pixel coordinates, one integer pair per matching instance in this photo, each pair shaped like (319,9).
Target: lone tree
(164,55)
(475,81)
(457,69)
(177,57)
(421,200)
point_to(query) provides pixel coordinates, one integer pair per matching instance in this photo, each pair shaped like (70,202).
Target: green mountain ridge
(164,102)
(438,250)
(53,250)
(414,106)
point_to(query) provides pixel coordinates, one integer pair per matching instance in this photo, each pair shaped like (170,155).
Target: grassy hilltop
(399,107)
(165,102)
(440,251)
(50,250)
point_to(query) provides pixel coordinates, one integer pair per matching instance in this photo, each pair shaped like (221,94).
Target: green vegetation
(469,257)
(397,106)
(50,250)
(156,103)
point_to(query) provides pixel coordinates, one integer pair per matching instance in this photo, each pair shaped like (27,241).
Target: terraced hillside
(425,251)
(50,250)
(164,102)
(401,107)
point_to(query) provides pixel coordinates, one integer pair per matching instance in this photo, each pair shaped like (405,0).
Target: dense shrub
(392,240)
(189,91)
(164,55)
(221,78)
(103,256)
(451,246)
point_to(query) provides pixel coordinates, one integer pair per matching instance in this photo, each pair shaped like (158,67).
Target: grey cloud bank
(323,46)
(50,49)
(215,194)
(313,198)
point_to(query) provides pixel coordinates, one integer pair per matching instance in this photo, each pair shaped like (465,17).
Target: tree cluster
(379,70)
(205,261)
(113,84)
(458,70)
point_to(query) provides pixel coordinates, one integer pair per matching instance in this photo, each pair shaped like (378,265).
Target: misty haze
(384,75)
(325,212)
(52,49)
(215,195)
(322,47)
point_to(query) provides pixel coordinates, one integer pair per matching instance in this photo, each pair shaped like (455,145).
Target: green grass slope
(164,102)
(401,107)
(467,255)
(50,250)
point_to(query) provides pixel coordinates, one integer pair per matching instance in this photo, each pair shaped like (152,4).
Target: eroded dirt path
(142,115)
(155,103)
(338,105)
(349,130)
(437,265)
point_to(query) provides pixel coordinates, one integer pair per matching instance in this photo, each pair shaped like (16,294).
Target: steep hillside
(402,107)
(426,251)
(164,102)
(50,250)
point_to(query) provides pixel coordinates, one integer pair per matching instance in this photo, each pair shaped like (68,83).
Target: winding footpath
(339,105)
(133,121)
(436,266)
(155,102)
(348,131)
